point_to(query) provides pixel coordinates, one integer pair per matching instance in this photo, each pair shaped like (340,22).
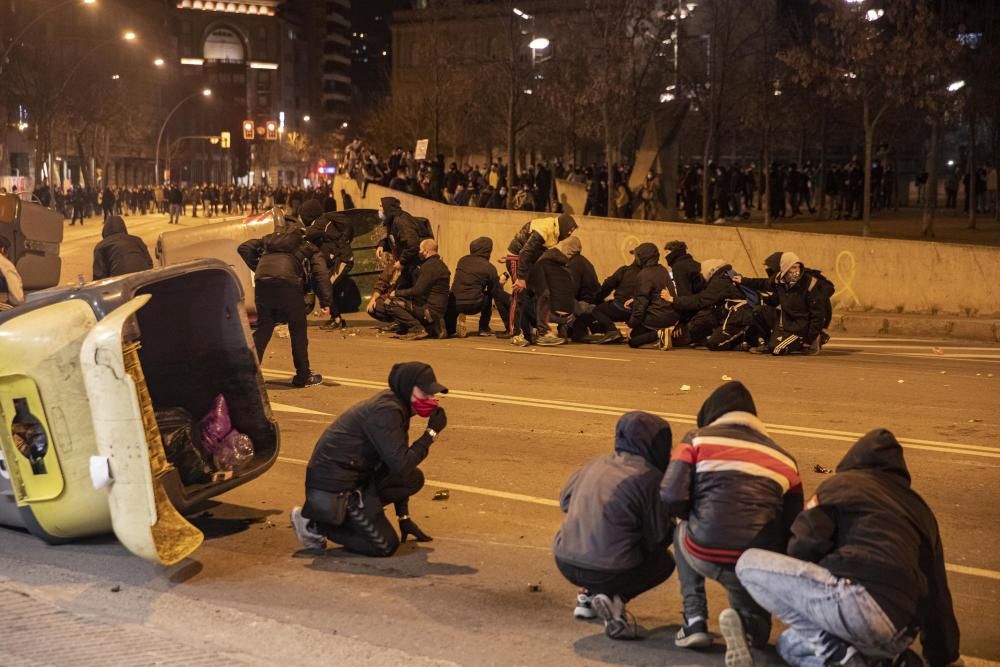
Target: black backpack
(423,228)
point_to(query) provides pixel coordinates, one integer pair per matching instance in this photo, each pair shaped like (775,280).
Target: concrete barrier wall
(877,275)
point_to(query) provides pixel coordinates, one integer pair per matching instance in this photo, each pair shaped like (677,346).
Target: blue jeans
(693,571)
(825,615)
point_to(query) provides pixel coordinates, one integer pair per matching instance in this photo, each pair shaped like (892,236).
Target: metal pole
(163,127)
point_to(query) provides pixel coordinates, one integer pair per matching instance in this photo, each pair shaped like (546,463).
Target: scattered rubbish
(822,469)
(441,495)
(281,330)
(177,430)
(726,378)
(937,350)
(900,381)
(535,588)
(975,421)
(116,588)
(229,448)
(222,475)
(943,372)
(989,375)
(685,387)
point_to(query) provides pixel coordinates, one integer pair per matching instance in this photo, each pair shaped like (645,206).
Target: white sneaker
(461,328)
(618,623)
(737,646)
(309,539)
(584,610)
(666,338)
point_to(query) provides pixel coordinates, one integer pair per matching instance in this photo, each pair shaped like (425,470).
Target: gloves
(409,527)
(438,420)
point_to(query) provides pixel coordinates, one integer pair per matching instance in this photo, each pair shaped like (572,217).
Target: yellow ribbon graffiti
(628,245)
(845,278)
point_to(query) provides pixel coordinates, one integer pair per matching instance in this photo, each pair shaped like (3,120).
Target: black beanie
(730,397)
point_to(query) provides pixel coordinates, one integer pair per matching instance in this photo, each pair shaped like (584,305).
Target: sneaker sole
(584,614)
(737,649)
(697,640)
(615,628)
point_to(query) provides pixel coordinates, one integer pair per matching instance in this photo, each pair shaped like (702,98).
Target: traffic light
(271,128)
(225,139)
(248,130)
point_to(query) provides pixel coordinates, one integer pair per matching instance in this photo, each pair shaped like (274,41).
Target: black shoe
(824,338)
(693,635)
(505,335)
(308,381)
(485,333)
(609,338)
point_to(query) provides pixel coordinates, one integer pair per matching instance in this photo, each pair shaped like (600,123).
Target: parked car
(221,239)
(86,372)
(34,233)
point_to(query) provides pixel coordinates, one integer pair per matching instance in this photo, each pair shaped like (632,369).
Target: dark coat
(686,272)
(584,279)
(475,275)
(551,274)
(371,434)
(713,297)
(623,283)
(430,287)
(332,234)
(119,252)
(402,232)
(653,278)
(529,245)
(868,525)
(287,257)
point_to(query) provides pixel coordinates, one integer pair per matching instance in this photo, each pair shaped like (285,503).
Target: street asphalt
(486,591)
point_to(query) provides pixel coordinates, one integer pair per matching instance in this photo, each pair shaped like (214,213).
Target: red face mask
(424,406)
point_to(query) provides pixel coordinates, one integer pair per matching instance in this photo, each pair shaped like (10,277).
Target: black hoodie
(613,515)
(368,435)
(529,245)
(475,275)
(402,232)
(686,271)
(119,252)
(622,282)
(868,525)
(648,309)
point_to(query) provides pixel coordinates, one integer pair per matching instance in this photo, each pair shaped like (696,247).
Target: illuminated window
(224,44)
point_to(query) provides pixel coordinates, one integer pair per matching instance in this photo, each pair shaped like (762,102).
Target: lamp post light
(206,92)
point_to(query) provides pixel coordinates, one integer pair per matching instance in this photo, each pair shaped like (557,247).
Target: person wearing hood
(587,287)
(685,272)
(286,266)
(333,234)
(706,310)
(615,538)
(418,311)
(402,239)
(804,311)
(524,250)
(652,319)
(551,283)
(119,252)
(474,290)
(621,286)
(865,570)
(363,462)
(732,488)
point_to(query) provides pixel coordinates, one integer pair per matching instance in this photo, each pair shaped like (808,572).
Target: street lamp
(206,92)
(158,62)
(129,36)
(306,118)
(956,86)
(538,44)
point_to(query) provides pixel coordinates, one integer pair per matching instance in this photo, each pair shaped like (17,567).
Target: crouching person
(865,569)
(418,311)
(614,541)
(733,489)
(363,462)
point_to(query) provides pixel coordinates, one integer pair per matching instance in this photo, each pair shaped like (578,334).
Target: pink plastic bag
(215,426)
(235,450)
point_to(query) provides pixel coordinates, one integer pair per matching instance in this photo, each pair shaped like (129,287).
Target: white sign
(421,152)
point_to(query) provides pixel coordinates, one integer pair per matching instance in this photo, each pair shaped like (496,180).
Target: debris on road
(535,588)
(726,378)
(685,387)
(900,381)
(116,588)
(441,495)
(822,469)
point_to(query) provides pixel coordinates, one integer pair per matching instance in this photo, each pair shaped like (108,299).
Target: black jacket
(584,279)
(805,304)
(868,525)
(528,244)
(119,252)
(402,232)
(430,287)
(368,436)
(332,233)
(475,276)
(287,257)
(713,297)
(551,274)
(687,272)
(734,485)
(653,278)
(622,282)
(614,518)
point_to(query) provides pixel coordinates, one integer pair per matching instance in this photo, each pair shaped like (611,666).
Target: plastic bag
(234,450)
(177,430)
(215,426)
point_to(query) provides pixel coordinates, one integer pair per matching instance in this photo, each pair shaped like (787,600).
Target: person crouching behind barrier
(362,462)
(614,541)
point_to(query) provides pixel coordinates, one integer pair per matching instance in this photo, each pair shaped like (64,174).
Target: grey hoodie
(613,512)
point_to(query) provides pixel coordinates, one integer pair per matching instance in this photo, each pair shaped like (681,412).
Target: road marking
(615,411)
(551,354)
(938,357)
(915,348)
(281,407)
(549,502)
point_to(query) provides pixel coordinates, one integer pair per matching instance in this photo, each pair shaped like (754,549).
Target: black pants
(77,213)
(655,568)
(279,302)
(339,270)
(608,313)
(410,316)
(484,309)
(647,332)
(366,529)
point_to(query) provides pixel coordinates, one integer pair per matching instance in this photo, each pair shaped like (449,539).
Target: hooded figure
(614,539)
(584,275)
(650,313)
(622,284)
(734,489)
(871,538)
(119,252)
(686,272)
(474,288)
(310,210)
(535,237)
(707,309)
(402,240)
(363,461)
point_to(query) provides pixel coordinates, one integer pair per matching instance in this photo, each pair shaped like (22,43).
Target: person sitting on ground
(623,284)
(362,463)
(706,309)
(419,310)
(587,287)
(865,570)
(11,285)
(804,309)
(615,538)
(685,272)
(119,252)
(733,488)
(474,291)
(378,304)
(652,319)
(551,283)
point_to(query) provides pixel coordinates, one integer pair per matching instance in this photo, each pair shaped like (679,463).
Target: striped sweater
(736,488)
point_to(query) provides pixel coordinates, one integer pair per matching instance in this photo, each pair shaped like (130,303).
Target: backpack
(751,295)
(423,228)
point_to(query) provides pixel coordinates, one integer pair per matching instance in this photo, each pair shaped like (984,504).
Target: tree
(878,57)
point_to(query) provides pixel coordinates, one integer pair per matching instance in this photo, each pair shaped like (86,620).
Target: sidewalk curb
(892,325)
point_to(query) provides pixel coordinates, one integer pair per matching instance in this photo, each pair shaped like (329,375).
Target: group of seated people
(557,298)
(856,574)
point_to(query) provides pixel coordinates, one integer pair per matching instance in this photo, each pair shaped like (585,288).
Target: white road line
(589,408)
(916,348)
(281,407)
(549,502)
(937,357)
(552,354)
